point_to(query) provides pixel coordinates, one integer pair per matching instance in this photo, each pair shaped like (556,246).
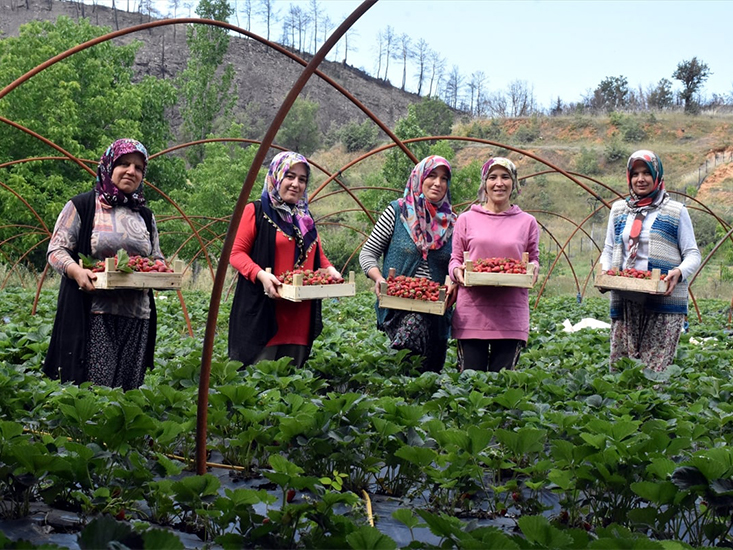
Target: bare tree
(326,26)
(496,105)
(315,10)
(247,10)
(348,35)
(405,53)
(453,87)
(521,99)
(388,41)
(437,66)
(421,55)
(268,13)
(480,82)
(475,86)
(380,52)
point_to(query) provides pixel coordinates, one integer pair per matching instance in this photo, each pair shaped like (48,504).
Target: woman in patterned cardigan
(646,231)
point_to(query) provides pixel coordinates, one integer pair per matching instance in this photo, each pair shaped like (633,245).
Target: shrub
(587,162)
(358,137)
(616,151)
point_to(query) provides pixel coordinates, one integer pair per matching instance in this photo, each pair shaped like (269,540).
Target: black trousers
(488,355)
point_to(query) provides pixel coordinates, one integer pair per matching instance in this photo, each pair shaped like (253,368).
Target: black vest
(252,321)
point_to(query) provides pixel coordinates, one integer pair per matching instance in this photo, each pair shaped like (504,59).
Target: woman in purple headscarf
(276,231)
(646,231)
(104,336)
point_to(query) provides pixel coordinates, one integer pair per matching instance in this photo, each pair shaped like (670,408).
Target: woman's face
(499,185)
(128,172)
(435,185)
(293,185)
(642,181)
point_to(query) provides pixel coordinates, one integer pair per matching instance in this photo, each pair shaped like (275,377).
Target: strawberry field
(560,453)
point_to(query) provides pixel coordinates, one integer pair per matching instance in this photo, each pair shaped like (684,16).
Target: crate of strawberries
(632,280)
(133,272)
(499,272)
(413,294)
(306,284)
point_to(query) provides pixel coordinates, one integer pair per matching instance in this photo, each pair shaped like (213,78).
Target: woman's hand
(333,272)
(451,295)
(535,275)
(84,277)
(375,275)
(673,277)
(458,272)
(271,284)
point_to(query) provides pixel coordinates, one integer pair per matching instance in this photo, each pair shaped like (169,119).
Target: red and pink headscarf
(430,225)
(294,220)
(109,193)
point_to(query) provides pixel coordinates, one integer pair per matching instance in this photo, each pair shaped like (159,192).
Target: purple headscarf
(107,190)
(294,220)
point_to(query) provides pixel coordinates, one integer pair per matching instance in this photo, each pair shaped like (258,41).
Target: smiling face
(435,185)
(642,181)
(127,173)
(498,185)
(293,184)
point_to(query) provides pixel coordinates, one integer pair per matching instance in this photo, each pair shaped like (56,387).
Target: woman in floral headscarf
(414,235)
(276,231)
(491,324)
(646,231)
(104,336)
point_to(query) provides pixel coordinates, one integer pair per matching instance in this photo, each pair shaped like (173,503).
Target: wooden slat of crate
(298,292)
(475,278)
(648,286)
(111,279)
(408,304)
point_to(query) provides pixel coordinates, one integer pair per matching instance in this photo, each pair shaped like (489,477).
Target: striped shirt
(378,242)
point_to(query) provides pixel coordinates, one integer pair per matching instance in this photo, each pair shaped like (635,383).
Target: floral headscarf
(641,206)
(293,220)
(430,225)
(486,169)
(108,191)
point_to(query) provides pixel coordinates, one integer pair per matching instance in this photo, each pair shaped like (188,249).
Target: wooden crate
(655,285)
(297,292)
(111,279)
(474,278)
(408,304)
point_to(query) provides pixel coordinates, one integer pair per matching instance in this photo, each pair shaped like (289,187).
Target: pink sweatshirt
(493,313)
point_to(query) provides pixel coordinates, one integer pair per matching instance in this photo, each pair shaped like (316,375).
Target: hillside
(263,76)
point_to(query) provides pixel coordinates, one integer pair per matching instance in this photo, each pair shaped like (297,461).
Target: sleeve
(243,242)
(607,254)
(378,242)
(64,239)
(459,245)
(687,243)
(533,242)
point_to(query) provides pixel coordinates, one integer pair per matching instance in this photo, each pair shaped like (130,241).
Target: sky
(559,48)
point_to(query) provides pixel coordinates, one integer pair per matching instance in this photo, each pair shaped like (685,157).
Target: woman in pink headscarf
(104,336)
(647,231)
(491,324)
(276,231)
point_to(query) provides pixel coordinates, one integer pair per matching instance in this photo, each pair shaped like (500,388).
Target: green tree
(692,74)
(433,116)
(358,137)
(210,194)
(299,131)
(661,97)
(611,94)
(206,93)
(82,104)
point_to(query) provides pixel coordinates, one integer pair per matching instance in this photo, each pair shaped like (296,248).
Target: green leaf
(367,538)
(538,530)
